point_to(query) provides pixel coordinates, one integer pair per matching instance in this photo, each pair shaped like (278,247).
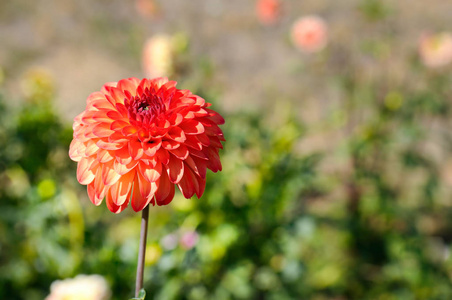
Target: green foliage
(141,295)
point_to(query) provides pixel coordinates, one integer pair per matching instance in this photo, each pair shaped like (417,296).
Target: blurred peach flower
(435,50)
(82,287)
(310,34)
(268,11)
(146,8)
(158,56)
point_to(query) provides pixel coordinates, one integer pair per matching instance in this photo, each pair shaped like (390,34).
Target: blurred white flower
(158,56)
(169,241)
(310,34)
(435,50)
(82,287)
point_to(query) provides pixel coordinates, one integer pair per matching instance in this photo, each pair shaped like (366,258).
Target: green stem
(142,250)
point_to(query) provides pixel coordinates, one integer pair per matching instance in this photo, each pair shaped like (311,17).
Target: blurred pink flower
(268,11)
(189,240)
(158,56)
(435,50)
(310,34)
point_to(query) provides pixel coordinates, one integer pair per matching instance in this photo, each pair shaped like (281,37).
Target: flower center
(145,108)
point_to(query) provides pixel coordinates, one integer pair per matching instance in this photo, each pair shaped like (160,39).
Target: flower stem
(142,250)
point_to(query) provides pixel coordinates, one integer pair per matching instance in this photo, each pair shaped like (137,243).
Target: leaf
(141,295)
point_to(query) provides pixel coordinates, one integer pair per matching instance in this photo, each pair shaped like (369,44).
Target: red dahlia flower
(137,139)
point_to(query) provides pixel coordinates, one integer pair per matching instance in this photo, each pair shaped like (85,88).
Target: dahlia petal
(109,175)
(112,206)
(170,85)
(170,144)
(187,184)
(197,165)
(193,142)
(192,127)
(101,117)
(149,173)
(187,100)
(129,85)
(88,117)
(122,169)
(117,137)
(118,125)
(213,160)
(102,130)
(122,110)
(74,153)
(215,142)
(99,187)
(177,134)
(201,187)
(135,149)
(146,189)
(139,201)
(86,133)
(110,98)
(175,169)
(114,115)
(158,82)
(94,97)
(198,100)
(192,184)
(104,156)
(201,112)
(117,95)
(149,161)
(200,154)
(92,194)
(129,130)
(189,114)
(176,119)
(150,148)
(143,135)
(106,87)
(203,139)
(122,155)
(109,146)
(165,192)
(181,152)
(215,117)
(102,104)
(163,156)
(91,148)
(120,191)
(213,130)
(85,172)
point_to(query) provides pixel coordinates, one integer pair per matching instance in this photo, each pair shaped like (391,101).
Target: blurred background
(337,170)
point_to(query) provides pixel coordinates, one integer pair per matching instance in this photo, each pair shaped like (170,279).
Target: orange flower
(436,49)
(137,139)
(310,34)
(268,11)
